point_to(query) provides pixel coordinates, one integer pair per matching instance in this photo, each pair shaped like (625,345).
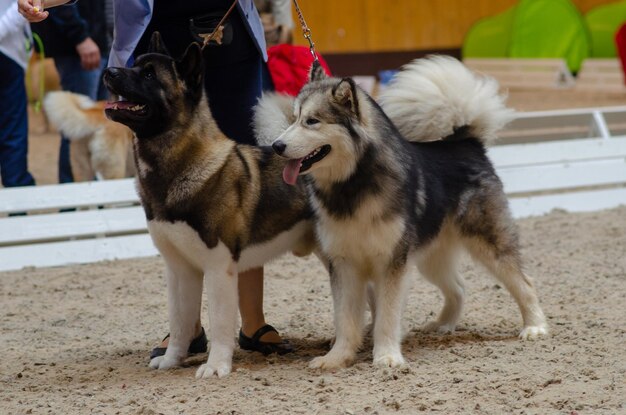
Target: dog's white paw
(208,370)
(330,361)
(437,327)
(162,363)
(389,359)
(533,332)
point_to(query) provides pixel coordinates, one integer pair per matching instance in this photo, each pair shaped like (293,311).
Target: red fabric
(289,67)
(620,41)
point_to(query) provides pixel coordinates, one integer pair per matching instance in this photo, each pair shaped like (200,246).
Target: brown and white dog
(100,148)
(214,207)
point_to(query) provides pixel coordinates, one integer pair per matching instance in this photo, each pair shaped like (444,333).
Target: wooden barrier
(603,75)
(524,73)
(109,225)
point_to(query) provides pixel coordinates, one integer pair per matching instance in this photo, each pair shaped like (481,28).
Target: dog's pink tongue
(291,171)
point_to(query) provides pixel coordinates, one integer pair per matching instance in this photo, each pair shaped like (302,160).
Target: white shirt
(14,33)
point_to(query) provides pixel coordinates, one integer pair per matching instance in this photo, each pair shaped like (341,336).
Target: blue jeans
(76,79)
(13,125)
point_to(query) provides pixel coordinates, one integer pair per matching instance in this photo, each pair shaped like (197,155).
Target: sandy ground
(75,340)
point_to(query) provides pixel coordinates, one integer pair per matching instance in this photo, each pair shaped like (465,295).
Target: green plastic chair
(603,23)
(550,29)
(489,37)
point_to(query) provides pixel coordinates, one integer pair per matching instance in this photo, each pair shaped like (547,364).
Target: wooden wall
(341,26)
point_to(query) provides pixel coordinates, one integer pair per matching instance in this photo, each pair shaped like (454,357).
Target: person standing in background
(78,37)
(277,21)
(15,50)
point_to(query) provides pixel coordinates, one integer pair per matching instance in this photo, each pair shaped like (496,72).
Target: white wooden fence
(568,159)
(573,160)
(109,225)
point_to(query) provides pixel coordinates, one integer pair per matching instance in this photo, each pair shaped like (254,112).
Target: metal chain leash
(305,30)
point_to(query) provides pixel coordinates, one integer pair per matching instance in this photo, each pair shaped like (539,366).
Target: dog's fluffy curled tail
(434,97)
(272,116)
(68,112)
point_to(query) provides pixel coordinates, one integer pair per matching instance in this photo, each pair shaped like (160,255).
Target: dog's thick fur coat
(100,148)
(214,207)
(385,199)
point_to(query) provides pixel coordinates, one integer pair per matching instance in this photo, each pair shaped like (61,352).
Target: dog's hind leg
(80,160)
(439,265)
(489,234)
(348,290)
(496,247)
(506,267)
(391,292)
(184,286)
(221,283)
(107,156)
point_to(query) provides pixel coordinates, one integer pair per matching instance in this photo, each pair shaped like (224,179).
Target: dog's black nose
(279,146)
(112,73)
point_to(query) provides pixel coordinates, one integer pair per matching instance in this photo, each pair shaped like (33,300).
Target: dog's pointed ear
(191,67)
(317,72)
(345,94)
(157,45)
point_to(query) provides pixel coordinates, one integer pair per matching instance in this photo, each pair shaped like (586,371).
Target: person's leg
(102,93)
(74,79)
(233,91)
(251,305)
(266,77)
(13,125)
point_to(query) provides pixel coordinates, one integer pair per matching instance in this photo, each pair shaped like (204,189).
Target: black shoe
(198,345)
(254,344)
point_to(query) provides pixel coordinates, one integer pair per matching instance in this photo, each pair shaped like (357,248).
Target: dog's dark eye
(312,121)
(148,73)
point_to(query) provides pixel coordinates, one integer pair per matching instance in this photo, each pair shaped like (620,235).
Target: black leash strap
(219,28)
(305,29)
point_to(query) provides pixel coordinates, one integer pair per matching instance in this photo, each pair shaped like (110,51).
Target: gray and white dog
(410,185)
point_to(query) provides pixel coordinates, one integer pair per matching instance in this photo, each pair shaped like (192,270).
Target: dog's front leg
(348,290)
(390,294)
(184,286)
(221,282)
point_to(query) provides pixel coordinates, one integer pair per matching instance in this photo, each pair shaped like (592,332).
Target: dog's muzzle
(112,73)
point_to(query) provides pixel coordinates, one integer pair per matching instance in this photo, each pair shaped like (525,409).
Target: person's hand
(32,10)
(89,54)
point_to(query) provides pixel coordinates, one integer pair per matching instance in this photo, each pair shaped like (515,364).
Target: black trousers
(235,74)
